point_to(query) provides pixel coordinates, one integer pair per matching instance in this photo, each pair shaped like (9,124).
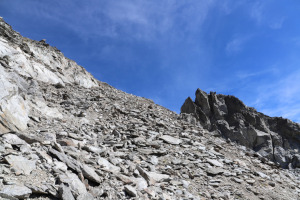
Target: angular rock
(70,162)
(214,171)
(85,196)
(90,174)
(130,191)
(20,192)
(76,186)
(13,139)
(65,193)
(20,164)
(106,165)
(214,162)
(171,140)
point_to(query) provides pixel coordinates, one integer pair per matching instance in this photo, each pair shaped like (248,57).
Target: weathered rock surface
(274,138)
(22,63)
(84,143)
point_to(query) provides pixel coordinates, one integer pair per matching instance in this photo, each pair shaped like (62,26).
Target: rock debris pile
(65,135)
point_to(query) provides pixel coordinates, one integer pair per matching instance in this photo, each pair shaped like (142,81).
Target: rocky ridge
(80,138)
(274,138)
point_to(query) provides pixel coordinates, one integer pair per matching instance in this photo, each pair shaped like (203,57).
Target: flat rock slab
(171,140)
(20,164)
(85,196)
(65,193)
(106,165)
(89,173)
(20,192)
(130,191)
(75,184)
(214,171)
(214,162)
(13,139)
(158,177)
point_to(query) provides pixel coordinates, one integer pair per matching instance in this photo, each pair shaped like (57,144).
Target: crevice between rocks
(273,148)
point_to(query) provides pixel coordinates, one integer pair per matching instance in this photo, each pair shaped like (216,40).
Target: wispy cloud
(257,11)
(236,45)
(281,97)
(137,19)
(247,74)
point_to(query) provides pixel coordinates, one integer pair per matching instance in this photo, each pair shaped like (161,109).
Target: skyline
(165,50)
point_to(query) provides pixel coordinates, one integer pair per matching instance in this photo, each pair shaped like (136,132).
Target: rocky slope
(274,138)
(65,135)
(23,63)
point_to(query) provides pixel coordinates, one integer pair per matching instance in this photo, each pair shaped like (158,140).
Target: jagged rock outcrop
(65,135)
(275,138)
(24,62)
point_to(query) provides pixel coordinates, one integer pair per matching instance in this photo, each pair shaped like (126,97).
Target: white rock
(171,140)
(214,162)
(74,182)
(13,139)
(20,164)
(106,165)
(20,192)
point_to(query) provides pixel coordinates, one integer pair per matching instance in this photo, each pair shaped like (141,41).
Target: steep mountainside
(65,135)
(23,63)
(274,138)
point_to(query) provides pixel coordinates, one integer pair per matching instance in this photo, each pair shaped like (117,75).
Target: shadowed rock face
(275,138)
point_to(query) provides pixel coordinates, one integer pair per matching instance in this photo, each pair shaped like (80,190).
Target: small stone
(20,192)
(130,191)
(20,164)
(76,186)
(214,162)
(250,181)
(272,184)
(176,161)
(90,174)
(237,180)
(60,166)
(65,193)
(154,160)
(214,171)
(106,165)
(85,196)
(13,139)
(185,183)
(171,140)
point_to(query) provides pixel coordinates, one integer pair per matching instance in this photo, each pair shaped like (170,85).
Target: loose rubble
(102,143)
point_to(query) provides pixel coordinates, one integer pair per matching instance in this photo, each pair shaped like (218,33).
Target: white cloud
(138,19)
(257,11)
(245,74)
(236,45)
(281,98)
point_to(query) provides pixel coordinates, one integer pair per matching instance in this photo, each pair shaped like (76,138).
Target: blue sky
(165,50)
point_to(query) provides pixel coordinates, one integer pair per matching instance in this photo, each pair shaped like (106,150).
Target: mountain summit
(65,135)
